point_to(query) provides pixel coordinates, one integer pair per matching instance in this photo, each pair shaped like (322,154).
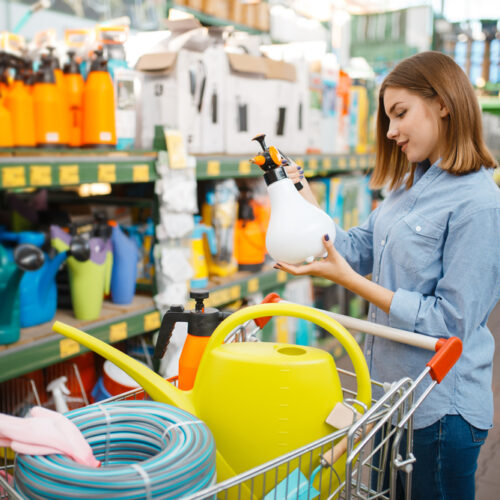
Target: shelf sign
(342,162)
(213,168)
(253,285)
(69,174)
(118,331)
(244,168)
(327,163)
(281,276)
(68,347)
(152,321)
(40,175)
(13,177)
(313,163)
(352,162)
(300,162)
(140,173)
(106,172)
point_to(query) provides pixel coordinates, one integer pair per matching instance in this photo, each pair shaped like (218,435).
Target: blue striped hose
(148,450)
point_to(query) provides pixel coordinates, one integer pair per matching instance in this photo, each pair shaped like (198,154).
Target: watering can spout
(154,385)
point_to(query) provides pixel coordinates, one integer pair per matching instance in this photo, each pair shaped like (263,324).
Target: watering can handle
(298,311)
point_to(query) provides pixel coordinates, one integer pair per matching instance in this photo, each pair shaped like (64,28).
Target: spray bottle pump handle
(172,316)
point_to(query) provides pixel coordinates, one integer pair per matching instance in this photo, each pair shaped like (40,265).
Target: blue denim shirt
(437,246)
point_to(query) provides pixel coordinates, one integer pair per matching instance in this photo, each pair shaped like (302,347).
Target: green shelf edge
(19,360)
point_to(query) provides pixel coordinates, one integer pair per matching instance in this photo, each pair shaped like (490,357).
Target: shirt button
(376,277)
(382,242)
(373,315)
(369,352)
(418,229)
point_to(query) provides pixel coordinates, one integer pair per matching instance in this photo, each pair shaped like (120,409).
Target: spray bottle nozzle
(261,139)
(199,296)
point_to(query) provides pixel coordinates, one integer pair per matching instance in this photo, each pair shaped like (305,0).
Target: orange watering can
(260,400)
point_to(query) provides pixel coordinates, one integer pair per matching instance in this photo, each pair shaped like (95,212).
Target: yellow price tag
(281,276)
(13,177)
(118,331)
(300,162)
(313,163)
(244,168)
(327,163)
(175,148)
(213,167)
(152,321)
(342,162)
(253,285)
(140,173)
(68,347)
(106,172)
(69,174)
(363,161)
(235,292)
(40,175)
(352,162)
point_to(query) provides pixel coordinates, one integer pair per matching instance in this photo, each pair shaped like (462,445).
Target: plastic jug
(198,259)
(6,132)
(26,258)
(74,85)
(282,392)
(88,280)
(124,273)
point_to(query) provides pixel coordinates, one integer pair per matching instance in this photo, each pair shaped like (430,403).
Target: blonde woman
(433,251)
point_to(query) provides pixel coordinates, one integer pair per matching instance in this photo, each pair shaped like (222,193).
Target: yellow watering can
(260,400)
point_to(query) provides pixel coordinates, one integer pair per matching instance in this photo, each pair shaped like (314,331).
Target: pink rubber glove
(44,432)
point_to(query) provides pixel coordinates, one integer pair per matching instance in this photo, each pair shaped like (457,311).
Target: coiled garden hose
(148,450)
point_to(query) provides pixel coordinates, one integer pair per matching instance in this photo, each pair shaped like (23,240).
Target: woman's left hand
(333,267)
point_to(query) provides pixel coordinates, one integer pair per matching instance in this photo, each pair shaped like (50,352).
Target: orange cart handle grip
(447,353)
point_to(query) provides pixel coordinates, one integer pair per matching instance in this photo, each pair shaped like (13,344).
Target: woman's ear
(443,110)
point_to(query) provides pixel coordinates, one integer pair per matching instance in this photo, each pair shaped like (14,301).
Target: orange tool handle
(447,353)
(270,298)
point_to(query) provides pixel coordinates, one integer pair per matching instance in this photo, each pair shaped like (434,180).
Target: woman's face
(416,124)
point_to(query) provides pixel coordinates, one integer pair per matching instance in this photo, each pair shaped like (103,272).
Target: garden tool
(286,391)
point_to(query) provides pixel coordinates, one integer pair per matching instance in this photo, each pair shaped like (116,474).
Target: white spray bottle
(296,227)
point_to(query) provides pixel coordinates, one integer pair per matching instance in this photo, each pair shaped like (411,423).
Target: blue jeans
(446,460)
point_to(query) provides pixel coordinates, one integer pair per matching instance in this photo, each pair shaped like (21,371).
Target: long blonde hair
(431,75)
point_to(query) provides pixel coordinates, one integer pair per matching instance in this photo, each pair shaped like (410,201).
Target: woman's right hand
(295,173)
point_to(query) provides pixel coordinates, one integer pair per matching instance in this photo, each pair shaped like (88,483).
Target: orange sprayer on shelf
(202,321)
(6,136)
(99,106)
(49,122)
(74,84)
(20,104)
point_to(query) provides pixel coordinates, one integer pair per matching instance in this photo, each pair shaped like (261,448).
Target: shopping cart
(376,444)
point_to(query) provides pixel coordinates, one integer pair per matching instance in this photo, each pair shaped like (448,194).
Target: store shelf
(215,21)
(37,168)
(218,167)
(39,347)
(490,104)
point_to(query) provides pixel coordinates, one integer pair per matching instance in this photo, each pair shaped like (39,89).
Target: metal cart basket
(376,444)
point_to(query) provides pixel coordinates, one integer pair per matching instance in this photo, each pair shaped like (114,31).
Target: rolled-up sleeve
(469,287)
(356,244)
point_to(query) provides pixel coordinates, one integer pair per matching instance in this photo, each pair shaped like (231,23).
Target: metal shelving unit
(38,347)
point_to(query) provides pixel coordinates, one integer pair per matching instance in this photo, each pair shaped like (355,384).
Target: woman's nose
(392,133)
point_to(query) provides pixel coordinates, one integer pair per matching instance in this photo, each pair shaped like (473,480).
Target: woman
(433,251)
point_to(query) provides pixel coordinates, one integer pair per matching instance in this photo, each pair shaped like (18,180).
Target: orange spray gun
(270,159)
(202,321)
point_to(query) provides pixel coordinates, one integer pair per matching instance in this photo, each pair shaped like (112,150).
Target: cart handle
(447,350)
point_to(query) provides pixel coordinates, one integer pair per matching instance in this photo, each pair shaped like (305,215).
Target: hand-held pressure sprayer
(296,227)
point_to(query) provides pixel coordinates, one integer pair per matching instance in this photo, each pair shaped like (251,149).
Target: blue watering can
(37,289)
(124,272)
(12,267)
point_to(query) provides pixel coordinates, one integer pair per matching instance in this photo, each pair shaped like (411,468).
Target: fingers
(294,173)
(328,244)
(295,270)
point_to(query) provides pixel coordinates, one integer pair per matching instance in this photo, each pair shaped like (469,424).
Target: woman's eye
(401,114)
